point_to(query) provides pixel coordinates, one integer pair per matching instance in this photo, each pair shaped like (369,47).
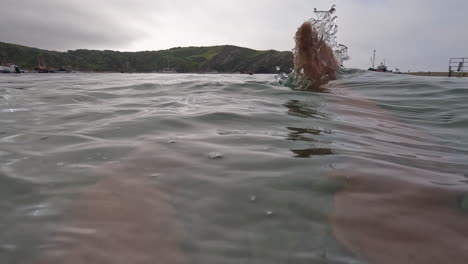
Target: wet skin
(313,59)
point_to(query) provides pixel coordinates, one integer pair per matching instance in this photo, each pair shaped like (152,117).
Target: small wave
(395,140)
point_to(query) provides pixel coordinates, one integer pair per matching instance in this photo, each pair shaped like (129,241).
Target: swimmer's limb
(314,61)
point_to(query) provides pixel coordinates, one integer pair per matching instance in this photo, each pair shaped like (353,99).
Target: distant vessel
(4,69)
(373,63)
(381,68)
(11,69)
(41,66)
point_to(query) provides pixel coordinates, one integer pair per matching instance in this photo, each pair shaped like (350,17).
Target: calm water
(116,168)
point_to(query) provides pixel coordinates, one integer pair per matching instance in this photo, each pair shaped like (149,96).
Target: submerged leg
(387,212)
(125,217)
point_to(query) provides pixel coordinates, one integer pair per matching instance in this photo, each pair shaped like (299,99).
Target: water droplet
(60,164)
(269,213)
(155,175)
(253,198)
(215,155)
(171,141)
(44,138)
(278,68)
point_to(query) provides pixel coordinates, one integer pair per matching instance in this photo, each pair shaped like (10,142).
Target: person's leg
(314,60)
(123,218)
(386,212)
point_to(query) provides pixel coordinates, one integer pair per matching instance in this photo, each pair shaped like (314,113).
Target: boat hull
(4,69)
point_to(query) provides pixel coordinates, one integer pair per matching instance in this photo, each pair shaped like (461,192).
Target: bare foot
(314,61)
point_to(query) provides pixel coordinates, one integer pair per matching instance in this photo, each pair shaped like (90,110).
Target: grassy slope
(190,59)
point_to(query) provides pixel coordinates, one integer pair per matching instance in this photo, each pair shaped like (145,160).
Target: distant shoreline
(437,74)
(110,72)
(221,59)
(421,73)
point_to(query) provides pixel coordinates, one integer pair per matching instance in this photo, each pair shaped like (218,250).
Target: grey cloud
(412,35)
(65,25)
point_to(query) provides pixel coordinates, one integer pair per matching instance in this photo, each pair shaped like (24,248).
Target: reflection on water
(307,153)
(116,168)
(304,109)
(304,134)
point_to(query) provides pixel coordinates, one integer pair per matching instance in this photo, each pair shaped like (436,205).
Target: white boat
(4,69)
(11,69)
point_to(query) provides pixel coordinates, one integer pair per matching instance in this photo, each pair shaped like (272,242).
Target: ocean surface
(189,168)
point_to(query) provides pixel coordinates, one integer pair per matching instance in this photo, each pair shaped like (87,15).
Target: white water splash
(326,27)
(324,23)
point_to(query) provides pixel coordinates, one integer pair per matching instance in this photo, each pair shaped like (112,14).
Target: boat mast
(373,61)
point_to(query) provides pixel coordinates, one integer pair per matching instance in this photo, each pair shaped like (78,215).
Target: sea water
(251,171)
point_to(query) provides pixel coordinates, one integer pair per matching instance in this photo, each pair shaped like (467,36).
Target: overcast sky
(409,34)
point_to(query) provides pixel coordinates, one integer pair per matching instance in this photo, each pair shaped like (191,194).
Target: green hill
(226,59)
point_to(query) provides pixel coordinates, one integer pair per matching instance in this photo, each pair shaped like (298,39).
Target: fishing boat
(381,68)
